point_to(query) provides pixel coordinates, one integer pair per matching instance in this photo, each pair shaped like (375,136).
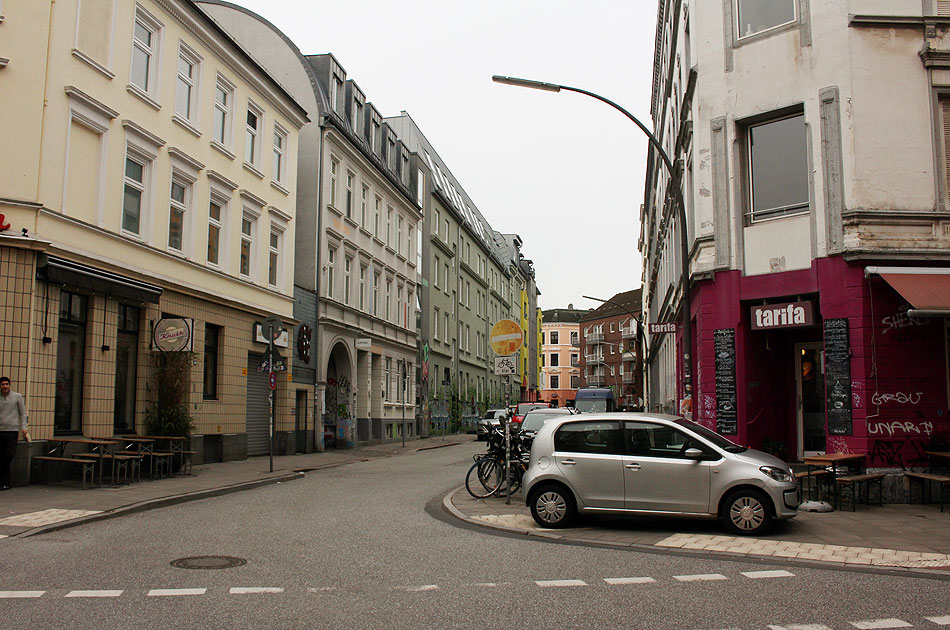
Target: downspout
(319,271)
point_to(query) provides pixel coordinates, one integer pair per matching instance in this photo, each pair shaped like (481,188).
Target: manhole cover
(208,562)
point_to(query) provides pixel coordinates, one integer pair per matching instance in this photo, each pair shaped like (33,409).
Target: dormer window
(391,154)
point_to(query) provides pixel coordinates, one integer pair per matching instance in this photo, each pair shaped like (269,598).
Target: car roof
(613,416)
(550,410)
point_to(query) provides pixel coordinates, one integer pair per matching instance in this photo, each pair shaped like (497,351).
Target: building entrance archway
(339,414)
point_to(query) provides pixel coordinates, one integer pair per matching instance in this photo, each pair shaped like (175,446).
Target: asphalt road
(368,546)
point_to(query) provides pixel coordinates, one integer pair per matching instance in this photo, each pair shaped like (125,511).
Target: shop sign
(662,328)
(787,315)
(173,334)
(364,343)
(260,336)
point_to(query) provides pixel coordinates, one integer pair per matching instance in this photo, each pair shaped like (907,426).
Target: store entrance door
(810,396)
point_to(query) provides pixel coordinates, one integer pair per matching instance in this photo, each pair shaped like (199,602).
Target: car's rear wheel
(553,506)
(747,512)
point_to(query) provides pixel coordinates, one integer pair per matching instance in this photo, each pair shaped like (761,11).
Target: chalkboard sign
(724,343)
(838,376)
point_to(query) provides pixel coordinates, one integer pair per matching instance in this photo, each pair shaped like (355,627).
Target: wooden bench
(160,462)
(88,466)
(124,465)
(925,480)
(814,479)
(855,482)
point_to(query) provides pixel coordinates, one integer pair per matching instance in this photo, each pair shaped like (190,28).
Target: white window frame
(252,137)
(389,300)
(738,26)
(183,207)
(331,269)
(389,226)
(152,51)
(226,113)
(435,278)
(222,202)
(435,326)
(376,277)
(362,296)
(348,202)
(347,278)
(190,117)
(142,187)
(275,268)
(334,173)
(280,151)
(249,237)
(399,224)
(377,211)
(364,199)
(555,381)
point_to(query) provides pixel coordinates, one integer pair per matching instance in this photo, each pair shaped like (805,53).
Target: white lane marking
(547,583)
(93,593)
(421,589)
(940,621)
(807,626)
(629,580)
(20,594)
(487,584)
(755,575)
(323,589)
(247,590)
(704,577)
(174,592)
(880,624)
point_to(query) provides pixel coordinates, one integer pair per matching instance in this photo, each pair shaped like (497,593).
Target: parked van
(597,399)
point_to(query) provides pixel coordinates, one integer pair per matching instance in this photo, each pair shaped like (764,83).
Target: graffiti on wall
(890,428)
(902,398)
(897,454)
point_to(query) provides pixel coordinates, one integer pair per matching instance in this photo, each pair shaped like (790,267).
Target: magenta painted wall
(898,365)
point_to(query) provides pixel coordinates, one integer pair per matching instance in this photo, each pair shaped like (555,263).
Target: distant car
(652,464)
(521,409)
(491,419)
(535,419)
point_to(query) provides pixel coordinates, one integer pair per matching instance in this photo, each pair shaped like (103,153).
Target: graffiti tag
(899,397)
(902,320)
(897,426)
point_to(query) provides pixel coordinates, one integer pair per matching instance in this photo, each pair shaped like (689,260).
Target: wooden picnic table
(100,447)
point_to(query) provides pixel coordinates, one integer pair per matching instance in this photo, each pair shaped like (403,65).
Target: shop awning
(73,274)
(927,289)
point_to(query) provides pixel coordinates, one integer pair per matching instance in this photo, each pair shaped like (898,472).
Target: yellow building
(149,169)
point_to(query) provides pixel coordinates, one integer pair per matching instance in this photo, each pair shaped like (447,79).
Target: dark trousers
(8,440)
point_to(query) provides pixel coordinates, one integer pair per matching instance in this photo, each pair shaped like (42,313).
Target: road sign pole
(270,398)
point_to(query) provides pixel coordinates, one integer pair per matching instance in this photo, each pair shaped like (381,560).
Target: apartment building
(811,147)
(357,246)
(148,187)
(560,355)
(609,349)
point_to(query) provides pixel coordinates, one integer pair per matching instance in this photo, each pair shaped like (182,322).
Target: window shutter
(945,115)
(943,7)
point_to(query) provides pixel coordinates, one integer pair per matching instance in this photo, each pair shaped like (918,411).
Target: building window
(177,207)
(350,178)
(574,338)
(399,223)
(347,273)
(435,323)
(555,359)
(555,381)
(364,195)
(362,299)
(554,338)
(331,264)
(375,295)
(145,42)
(247,244)
(215,223)
(436,222)
(221,125)
(389,226)
(778,168)
(377,207)
(273,264)
(391,154)
(279,165)
(410,237)
(126,361)
(133,195)
(447,338)
(755,16)
(334,171)
(435,279)
(186,85)
(251,135)
(575,359)
(70,363)
(212,339)
(389,294)
(575,381)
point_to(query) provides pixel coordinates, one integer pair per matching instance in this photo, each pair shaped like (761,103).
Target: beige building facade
(149,173)
(560,355)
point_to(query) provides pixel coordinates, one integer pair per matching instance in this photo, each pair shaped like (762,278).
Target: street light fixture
(677,199)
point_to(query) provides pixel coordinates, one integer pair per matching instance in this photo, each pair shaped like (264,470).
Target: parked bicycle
(486,477)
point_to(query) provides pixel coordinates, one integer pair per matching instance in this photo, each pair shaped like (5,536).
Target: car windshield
(723,443)
(597,405)
(524,408)
(534,420)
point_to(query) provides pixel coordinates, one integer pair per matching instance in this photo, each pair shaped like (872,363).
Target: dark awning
(72,274)
(927,289)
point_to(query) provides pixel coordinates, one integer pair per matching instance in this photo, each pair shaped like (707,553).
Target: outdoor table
(941,456)
(834,460)
(100,447)
(176,444)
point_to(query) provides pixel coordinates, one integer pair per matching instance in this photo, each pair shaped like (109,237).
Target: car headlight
(776,473)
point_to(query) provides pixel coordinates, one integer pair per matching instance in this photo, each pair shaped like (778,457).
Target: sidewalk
(25,511)
(893,535)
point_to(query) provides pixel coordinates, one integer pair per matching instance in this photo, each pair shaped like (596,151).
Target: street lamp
(677,199)
(639,334)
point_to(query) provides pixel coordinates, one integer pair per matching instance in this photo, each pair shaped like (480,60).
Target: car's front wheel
(747,512)
(553,506)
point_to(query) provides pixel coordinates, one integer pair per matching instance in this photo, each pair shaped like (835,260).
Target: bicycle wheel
(484,478)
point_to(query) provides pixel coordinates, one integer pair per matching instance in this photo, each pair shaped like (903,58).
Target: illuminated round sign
(172,334)
(506,337)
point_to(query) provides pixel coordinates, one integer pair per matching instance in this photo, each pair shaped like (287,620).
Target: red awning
(924,291)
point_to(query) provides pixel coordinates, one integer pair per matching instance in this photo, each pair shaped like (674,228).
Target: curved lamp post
(678,201)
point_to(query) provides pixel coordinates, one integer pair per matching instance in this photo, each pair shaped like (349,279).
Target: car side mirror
(694,453)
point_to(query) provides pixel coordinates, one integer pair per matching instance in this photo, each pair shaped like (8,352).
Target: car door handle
(633,466)
(569,462)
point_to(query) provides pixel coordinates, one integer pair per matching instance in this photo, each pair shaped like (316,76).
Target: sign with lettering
(505,366)
(662,329)
(364,343)
(727,414)
(787,315)
(838,376)
(173,334)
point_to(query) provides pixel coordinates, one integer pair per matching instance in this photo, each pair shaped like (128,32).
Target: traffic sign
(506,337)
(505,366)
(272,380)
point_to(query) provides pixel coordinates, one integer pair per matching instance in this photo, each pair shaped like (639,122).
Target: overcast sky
(563,171)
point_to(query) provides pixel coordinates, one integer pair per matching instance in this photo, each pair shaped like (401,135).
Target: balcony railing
(627,377)
(629,332)
(594,358)
(595,381)
(597,337)
(629,356)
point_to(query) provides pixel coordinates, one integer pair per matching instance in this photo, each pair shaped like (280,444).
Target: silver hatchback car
(650,464)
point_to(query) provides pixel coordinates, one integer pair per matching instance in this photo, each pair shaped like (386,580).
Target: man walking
(12,424)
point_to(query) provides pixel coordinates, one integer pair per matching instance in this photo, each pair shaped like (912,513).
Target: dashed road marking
(629,580)
(880,624)
(175,592)
(807,626)
(323,589)
(704,577)
(940,621)
(20,594)
(756,575)
(249,590)
(487,584)
(420,589)
(93,593)
(549,583)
